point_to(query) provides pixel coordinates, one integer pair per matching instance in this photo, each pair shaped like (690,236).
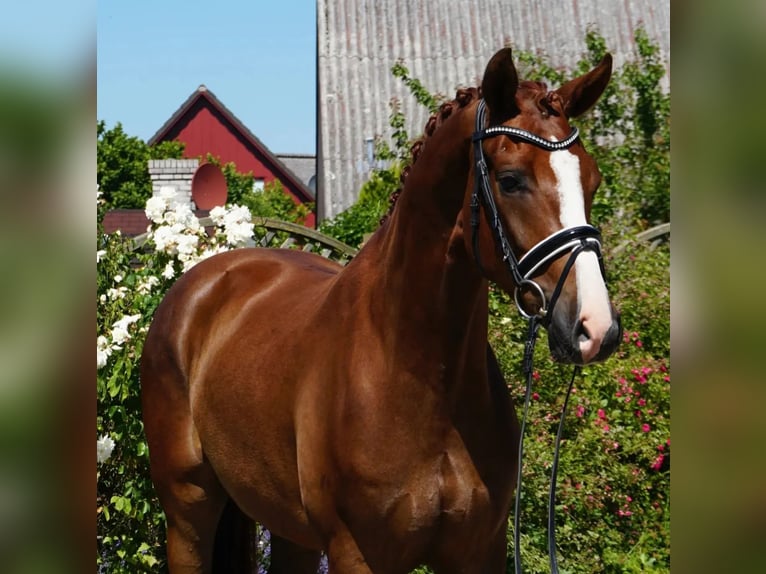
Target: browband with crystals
(528,137)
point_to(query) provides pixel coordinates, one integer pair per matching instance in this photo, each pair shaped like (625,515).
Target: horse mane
(463,97)
(546,102)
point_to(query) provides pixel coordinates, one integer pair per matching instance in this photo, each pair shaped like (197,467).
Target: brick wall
(129,221)
(173,172)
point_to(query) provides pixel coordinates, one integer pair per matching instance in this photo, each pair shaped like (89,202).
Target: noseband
(571,239)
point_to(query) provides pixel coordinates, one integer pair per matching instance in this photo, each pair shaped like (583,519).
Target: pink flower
(535,397)
(657,465)
(638,414)
(645,427)
(641,402)
(536,375)
(639,344)
(601,414)
(580,411)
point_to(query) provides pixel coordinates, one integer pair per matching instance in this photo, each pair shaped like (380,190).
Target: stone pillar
(177,173)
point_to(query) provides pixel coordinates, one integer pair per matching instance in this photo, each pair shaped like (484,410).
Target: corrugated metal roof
(445,44)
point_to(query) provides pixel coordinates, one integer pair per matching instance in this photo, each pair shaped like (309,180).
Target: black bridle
(572,240)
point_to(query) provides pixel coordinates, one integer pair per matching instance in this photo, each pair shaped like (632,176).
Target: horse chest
(443,513)
(446,496)
(465,499)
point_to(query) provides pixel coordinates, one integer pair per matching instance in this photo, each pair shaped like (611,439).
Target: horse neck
(434,298)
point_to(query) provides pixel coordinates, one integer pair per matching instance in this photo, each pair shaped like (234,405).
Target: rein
(572,240)
(527,367)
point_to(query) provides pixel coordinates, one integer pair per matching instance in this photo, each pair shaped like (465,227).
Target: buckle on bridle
(543,311)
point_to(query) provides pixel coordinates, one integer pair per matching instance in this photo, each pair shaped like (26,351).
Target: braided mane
(549,103)
(463,97)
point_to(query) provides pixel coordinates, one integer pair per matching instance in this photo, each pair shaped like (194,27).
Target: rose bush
(131,283)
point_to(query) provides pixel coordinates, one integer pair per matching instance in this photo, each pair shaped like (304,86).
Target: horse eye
(508,183)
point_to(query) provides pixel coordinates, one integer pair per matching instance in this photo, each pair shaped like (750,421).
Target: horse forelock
(547,102)
(463,97)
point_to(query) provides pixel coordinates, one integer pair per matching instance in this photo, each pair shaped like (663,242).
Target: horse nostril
(580,333)
(589,338)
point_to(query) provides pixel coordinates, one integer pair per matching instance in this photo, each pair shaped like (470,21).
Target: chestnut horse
(359,411)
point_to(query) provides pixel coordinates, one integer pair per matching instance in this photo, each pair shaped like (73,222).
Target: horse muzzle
(581,342)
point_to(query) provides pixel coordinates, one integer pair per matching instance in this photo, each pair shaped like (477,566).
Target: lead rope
(529,351)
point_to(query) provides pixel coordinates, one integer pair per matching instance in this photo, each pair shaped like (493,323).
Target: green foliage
(351,225)
(401,140)
(122,166)
(613,511)
(129,519)
(419,92)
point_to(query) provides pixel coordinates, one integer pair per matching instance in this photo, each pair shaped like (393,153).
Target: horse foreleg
(344,556)
(496,557)
(192,512)
(189,491)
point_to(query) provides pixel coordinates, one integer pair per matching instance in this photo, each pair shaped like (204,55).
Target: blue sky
(257,56)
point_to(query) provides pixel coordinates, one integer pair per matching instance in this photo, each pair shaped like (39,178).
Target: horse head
(534,182)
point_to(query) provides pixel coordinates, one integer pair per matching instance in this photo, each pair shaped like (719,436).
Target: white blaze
(592,297)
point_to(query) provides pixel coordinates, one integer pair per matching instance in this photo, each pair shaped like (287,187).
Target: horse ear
(499,85)
(579,95)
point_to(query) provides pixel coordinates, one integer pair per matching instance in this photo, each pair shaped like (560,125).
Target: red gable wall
(204,129)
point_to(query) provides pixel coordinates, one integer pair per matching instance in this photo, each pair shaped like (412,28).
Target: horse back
(233,291)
